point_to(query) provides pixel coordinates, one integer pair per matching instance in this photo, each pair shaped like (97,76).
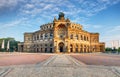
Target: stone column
(53,49)
(82,48)
(68,47)
(88,48)
(43,36)
(55,30)
(74,48)
(56,47)
(78,48)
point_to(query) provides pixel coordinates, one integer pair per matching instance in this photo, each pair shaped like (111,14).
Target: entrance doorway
(61,47)
(50,50)
(37,50)
(45,50)
(71,48)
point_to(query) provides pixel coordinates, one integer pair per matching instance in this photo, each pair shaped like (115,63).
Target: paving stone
(61,66)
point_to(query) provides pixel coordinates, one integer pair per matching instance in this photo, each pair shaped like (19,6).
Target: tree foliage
(13,44)
(108,49)
(119,49)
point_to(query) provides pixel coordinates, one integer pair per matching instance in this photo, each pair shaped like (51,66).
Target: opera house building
(61,35)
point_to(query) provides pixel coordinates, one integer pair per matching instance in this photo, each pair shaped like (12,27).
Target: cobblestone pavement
(98,59)
(22,58)
(59,66)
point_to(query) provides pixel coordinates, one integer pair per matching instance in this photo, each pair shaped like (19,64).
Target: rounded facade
(62,36)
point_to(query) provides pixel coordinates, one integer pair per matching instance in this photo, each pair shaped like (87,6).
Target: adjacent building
(61,35)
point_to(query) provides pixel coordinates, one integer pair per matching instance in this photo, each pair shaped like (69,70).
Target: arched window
(34,46)
(62,30)
(37,37)
(45,44)
(46,36)
(81,37)
(37,45)
(51,35)
(28,39)
(84,38)
(77,37)
(87,38)
(71,36)
(71,46)
(45,49)
(41,36)
(76,48)
(51,45)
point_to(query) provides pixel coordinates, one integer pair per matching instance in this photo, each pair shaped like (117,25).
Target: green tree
(108,49)
(13,44)
(118,50)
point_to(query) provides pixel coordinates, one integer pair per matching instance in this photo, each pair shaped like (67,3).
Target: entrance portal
(71,48)
(61,47)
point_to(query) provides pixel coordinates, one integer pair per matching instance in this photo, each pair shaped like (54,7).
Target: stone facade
(61,36)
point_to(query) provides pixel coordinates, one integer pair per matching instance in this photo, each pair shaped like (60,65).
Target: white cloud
(14,23)
(107,33)
(79,10)
(9,3)
(92,26)
(48,7)
(76,7)
(29,6)
(16,28)
(81,7)
(111,33)
(10,24)
(114,29)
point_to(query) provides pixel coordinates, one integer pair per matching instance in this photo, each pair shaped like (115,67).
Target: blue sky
(19,16)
